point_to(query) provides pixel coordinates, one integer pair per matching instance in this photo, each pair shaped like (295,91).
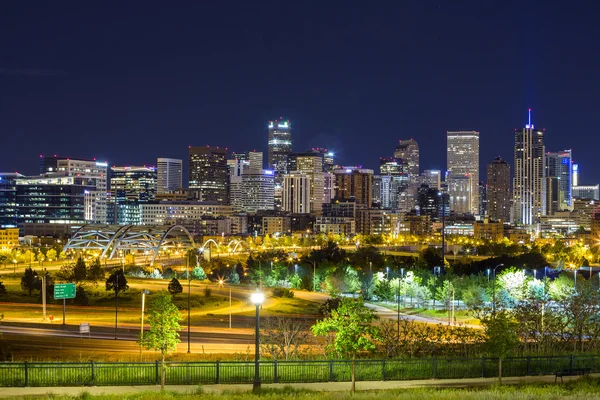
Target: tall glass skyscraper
(498,190)
(408,151)
(279,145)
(559,181)
(169,174)
(208,172)
(528,182)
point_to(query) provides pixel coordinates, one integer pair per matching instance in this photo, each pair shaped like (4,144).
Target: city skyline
(481,177)
(135,82)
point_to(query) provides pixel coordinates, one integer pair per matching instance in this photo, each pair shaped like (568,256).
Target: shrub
(81,297)
(198,273)
(282,292)
(155,275)
(330,305)
(207,292)
(168,274)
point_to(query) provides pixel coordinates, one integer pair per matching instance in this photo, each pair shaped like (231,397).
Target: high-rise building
(170,175)
(575,177)
(55,199)
(8,199)
(279,145)
(328,187)
(463,159)
(327,158)
(431,177)
(311,164)
(98,171)
(257,191)
(460,192)
(498,190)
(587,192)
(528,182)
(208,173)
(390,188)
(354,183)
(296,193)
(133,183)
(431,202)
(559,184)
(408,151)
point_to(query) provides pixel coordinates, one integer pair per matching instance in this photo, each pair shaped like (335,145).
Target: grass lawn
(582,389)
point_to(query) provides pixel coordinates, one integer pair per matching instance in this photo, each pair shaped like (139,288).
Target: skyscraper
(8,199)
(460,191)
(311,164)
(463,160)
(279,145)
(296,193)
(498,190)
(170,175)
(408,151)
(327,158)
(559,183)
(528,182)
(98,171)
(133,183)
(208,172)
(354,183)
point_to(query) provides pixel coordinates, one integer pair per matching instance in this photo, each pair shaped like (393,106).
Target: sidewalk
(323,386)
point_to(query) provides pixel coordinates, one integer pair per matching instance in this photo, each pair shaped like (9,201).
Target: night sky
(129,82)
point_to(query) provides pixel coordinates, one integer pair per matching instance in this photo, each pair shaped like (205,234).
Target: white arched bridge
(113,239)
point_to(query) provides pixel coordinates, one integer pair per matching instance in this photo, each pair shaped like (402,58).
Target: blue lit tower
(528,183)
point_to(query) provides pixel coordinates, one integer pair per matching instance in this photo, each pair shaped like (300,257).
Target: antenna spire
(530,116)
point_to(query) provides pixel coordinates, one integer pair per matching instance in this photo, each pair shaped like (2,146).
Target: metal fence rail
(195,373)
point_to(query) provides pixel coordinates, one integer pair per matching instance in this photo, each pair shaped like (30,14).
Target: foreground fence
(197,373)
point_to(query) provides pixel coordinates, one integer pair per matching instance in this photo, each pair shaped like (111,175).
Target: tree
(198,273)
(2,289)
(95,272)
(175,287)
(66,273)
(80,270)
(353,330)
(117,281)
(443,293)
(501,337)
(163,336)
(282,337)
(51,255)
(29,280)
(81,297)
(383,290)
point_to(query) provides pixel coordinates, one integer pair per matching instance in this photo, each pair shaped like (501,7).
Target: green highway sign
(64,291)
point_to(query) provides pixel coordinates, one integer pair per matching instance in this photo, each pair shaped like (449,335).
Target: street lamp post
(144,293)
(494,289)
(314,263)
(257,299)
(43,294)
(187,268)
